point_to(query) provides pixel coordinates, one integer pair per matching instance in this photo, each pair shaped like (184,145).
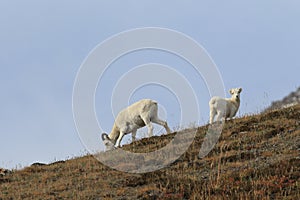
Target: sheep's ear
(231,91)
(240,90)
(104,136)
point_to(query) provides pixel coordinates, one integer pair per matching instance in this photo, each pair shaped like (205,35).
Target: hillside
(257,157)
(292,99)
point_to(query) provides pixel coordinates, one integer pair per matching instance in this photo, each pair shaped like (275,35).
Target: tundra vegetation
(257,157)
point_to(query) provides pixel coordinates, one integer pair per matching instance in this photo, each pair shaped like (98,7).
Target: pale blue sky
(255,45)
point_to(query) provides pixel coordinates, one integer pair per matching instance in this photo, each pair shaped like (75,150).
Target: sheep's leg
(162,123)
(220,116)
(150,129)
(147,122)
(120,138)
(212,116)
(133,135)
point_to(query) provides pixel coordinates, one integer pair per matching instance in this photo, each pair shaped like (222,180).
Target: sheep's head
(109,145)
(235,93)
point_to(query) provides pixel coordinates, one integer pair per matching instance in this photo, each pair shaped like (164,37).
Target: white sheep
(135,116)
(225,108)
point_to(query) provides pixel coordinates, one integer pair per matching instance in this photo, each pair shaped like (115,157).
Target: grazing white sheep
(135,116)
(225,108)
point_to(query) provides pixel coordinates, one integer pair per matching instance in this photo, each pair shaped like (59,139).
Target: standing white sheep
(135,116)
(225,108)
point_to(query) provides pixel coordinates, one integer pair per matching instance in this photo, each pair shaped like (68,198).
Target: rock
(291,100)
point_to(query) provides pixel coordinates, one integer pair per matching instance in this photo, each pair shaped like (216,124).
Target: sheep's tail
(212,101)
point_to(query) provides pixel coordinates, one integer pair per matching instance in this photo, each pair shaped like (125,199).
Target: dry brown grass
(257,157)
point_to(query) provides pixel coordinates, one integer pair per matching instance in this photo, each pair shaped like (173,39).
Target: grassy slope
(257,157)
